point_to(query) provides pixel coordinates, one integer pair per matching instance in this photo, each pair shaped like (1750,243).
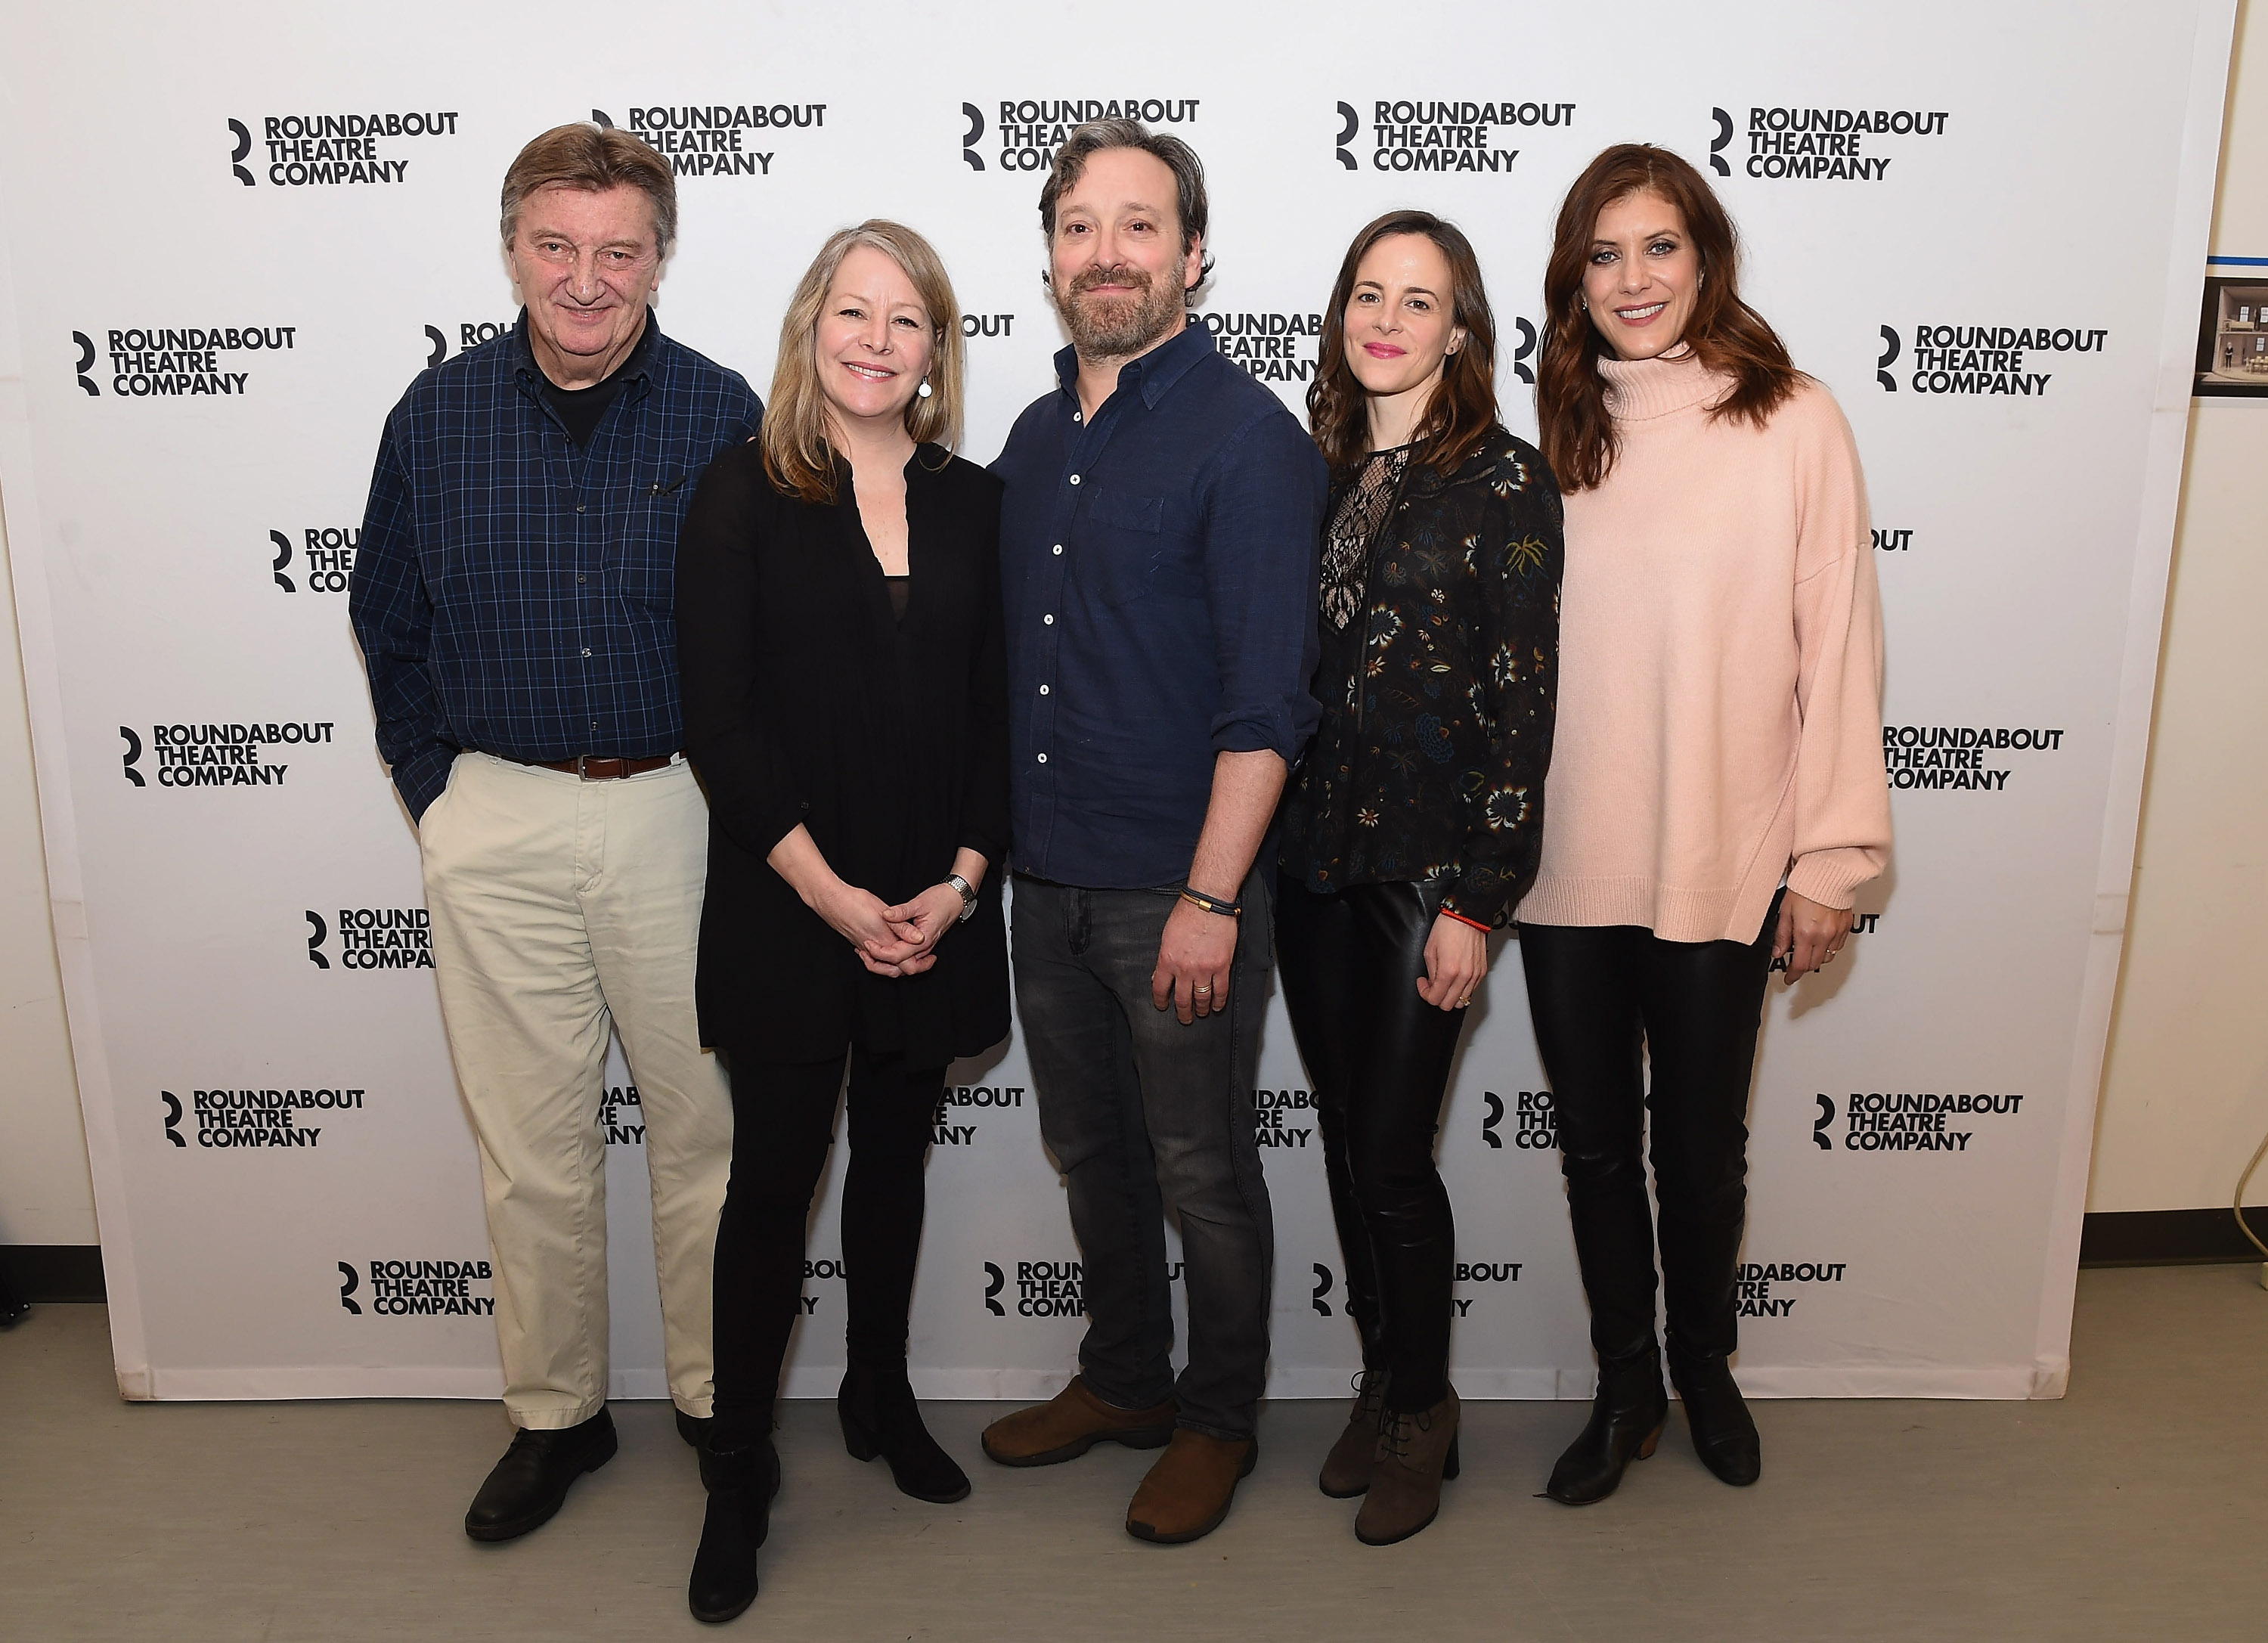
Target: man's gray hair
(593,159)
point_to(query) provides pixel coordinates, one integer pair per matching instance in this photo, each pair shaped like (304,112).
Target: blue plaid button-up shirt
(514,594)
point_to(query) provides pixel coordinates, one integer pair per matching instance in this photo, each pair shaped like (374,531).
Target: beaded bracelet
(1211,904)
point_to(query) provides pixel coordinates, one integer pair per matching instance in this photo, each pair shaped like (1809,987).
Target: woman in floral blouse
(1413,827)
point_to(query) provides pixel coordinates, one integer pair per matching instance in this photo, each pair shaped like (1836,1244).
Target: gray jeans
(1144,1113)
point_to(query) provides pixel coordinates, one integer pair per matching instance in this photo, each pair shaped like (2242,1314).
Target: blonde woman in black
(839,636)
(1413,826)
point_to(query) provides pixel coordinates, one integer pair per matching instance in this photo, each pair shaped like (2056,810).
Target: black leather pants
(1606,1001)
(1379,1057)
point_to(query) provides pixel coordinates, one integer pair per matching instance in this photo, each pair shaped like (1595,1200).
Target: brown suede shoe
(1415,1453)
(1070,1423)
(1189,1490)
(1346,1469)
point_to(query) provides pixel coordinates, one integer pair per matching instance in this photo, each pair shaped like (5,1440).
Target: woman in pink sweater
(1716,794)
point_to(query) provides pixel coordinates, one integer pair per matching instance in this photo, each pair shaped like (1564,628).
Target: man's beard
(1119,326)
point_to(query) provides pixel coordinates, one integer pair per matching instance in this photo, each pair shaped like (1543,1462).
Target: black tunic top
(806,701)
(1438,690)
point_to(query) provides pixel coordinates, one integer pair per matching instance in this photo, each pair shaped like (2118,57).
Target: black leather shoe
(742,1483)
(880,1416)
(528,1485)
(1625,1424)
(1724,1433)
(693,1428)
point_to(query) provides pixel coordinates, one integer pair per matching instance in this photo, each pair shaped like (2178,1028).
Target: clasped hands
(900,940)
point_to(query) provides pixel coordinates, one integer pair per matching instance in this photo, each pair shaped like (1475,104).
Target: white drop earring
(925,389)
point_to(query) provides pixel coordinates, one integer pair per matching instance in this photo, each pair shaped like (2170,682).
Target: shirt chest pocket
(642,527)
(1133,546)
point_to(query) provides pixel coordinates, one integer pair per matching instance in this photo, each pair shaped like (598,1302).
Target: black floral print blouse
(1438,692)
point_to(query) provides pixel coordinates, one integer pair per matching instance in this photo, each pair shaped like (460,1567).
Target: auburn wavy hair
(798,456)
(1463,405)
(1731,337)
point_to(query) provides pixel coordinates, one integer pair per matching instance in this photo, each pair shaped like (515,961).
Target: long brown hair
(1731,337)
(1463,405)
(797,455)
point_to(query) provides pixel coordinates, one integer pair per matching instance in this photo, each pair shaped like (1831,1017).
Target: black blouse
(806,700)
(1438,694)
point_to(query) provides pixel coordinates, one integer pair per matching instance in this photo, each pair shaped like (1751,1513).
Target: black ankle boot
(1724,1433)
(880,1416)
(740,1484)
(1625,1424)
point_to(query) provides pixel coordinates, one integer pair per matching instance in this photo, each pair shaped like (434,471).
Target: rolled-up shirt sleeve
(1262,524)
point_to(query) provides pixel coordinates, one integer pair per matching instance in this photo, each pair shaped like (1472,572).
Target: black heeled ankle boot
(741,1483)
(880,1416)
(1625,1424)
(1724,1433)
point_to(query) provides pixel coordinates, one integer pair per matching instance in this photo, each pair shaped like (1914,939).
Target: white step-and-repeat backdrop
(234,232)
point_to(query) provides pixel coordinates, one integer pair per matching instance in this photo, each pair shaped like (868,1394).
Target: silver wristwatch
(967,895)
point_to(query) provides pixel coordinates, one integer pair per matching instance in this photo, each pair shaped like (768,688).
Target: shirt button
(1074,480)
(1043,758)
(1047,620)
(579,507)
(1043,689)
(586,650)
(1057,550)
(582,579)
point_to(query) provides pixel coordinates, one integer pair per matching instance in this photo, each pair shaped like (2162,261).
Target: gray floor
(2135,1508)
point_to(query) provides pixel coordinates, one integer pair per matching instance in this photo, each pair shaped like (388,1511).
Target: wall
(2185,1091)
(2185,1083)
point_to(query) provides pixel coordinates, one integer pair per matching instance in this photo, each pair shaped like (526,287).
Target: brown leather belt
(596,769)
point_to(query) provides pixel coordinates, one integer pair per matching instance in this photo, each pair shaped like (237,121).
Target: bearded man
(1158,538)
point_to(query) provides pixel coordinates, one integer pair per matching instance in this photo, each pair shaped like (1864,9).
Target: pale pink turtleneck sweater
(1720,664)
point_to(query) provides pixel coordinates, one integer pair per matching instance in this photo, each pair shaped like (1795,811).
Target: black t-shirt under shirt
(580,409)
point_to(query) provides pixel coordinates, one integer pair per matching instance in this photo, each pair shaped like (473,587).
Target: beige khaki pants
(561,907)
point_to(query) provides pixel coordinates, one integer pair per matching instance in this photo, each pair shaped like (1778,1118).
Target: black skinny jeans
(1378,1055)
(783,1124)
(1606,1001)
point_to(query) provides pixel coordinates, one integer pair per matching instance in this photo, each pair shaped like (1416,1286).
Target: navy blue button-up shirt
(1158,569)
(515,593)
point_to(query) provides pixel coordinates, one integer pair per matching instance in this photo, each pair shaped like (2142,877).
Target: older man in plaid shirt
(513,595)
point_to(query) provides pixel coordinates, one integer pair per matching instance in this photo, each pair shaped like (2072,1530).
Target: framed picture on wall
(2232,357)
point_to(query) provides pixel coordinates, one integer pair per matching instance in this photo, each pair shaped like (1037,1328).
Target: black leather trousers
(1606,1001)
(1379,1057)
